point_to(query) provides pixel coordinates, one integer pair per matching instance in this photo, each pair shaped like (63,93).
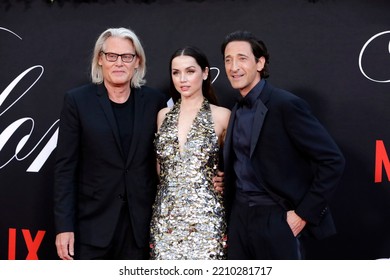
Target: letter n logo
(381,158)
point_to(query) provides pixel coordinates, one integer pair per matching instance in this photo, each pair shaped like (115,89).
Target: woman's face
(187,75)
(118,73)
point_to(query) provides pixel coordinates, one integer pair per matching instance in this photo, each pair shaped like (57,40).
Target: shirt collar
(250,99)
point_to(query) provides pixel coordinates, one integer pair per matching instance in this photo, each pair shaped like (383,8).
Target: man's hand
(218,182)
(65,245)
(295,222)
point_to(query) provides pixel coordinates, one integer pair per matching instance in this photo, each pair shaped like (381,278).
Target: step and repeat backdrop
(334,54)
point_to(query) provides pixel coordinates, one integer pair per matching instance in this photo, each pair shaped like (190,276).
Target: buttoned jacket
(93,177)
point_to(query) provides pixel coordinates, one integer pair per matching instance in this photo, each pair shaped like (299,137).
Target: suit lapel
(261,112)
(107,108)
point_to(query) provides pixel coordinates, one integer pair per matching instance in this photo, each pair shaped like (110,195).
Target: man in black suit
(105,174)
(281,165)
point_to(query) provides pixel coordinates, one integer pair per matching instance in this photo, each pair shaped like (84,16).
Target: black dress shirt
(248,185)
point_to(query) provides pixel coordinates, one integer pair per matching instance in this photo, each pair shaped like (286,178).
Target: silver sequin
(188,216)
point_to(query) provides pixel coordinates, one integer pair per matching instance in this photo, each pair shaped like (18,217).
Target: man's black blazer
(93,177)
(293,156)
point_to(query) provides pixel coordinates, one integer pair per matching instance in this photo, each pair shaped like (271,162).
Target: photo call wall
(334,54)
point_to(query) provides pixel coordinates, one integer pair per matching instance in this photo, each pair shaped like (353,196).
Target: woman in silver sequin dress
(188,216)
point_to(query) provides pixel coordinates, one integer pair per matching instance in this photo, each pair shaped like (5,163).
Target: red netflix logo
(381,159)
(32,244)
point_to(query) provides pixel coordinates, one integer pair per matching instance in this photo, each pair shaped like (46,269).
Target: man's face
(118,73)
(242,68)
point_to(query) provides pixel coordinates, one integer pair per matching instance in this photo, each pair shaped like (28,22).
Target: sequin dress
(188,219)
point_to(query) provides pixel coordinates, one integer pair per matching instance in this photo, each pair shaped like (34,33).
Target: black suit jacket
(294,157)
(92,176)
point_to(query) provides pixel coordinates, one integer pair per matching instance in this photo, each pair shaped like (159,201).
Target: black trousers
(122,246)
(261,232)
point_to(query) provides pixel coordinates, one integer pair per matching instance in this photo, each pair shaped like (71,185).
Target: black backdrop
(335,54)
